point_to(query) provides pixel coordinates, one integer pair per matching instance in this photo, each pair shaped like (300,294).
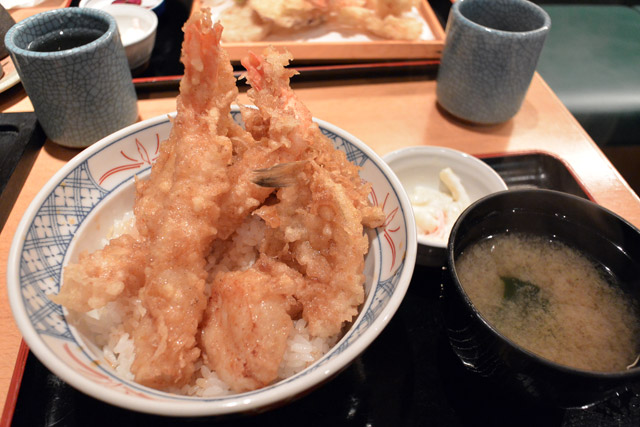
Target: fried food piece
(243,195)
(280,117)
(390,7)
(177,218)
(388,26)
(291,14)
(316,228)
(382,8)
(284,120)
(178,210)
(248,320)
(242,24)
(104,276)
(255,19)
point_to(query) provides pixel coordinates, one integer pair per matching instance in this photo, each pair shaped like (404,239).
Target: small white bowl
(137,26)
(421,165)
(73,212)
(157,6)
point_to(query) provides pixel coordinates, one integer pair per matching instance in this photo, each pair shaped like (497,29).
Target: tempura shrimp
(178,210)
(281,116)
(327,206)
(316,228)
(285,120)
(248,321)
(255,19)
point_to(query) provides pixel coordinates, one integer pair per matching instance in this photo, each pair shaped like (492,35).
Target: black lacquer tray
(20,140)
(408,377)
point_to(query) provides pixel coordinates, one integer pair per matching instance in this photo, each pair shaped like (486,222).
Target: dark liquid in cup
(64,39)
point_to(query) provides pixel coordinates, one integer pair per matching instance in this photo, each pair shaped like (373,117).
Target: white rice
(119,351)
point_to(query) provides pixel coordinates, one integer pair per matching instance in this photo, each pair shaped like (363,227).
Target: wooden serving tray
(311,59)
(345,50)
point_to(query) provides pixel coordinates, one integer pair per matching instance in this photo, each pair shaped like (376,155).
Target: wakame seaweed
(523,292)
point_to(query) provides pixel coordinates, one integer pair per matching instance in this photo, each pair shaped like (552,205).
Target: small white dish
(155,5)
(137,26)
(421,165)
(73,212)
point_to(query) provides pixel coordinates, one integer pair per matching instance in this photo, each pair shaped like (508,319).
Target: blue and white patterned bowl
(74,211)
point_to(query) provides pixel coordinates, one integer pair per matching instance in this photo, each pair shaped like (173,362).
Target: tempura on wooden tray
(220,277)
(253,20)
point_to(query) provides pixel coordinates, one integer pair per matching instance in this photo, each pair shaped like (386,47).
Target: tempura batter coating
(291,14)
(248,321)
(178,209)
(243,24)
(378,21)
(318,223)
(283,119)
(316,228)
(104,276)
(255,19)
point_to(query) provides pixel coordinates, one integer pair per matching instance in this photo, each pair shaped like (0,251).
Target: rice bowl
(81,203)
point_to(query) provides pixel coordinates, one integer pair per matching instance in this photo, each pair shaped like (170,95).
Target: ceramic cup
(490,54)
(74,69)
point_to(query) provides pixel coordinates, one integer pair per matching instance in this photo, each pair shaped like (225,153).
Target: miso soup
(551,300)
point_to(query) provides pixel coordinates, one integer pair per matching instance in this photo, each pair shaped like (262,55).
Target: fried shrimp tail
(280,175)
(280,116)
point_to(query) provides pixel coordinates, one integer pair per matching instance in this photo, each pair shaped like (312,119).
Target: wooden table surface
(386,114)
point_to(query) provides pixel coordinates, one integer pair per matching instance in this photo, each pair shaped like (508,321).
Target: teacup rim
(15,49)
(455,8)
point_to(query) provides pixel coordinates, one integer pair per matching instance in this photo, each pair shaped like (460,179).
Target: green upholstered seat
(591,59)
